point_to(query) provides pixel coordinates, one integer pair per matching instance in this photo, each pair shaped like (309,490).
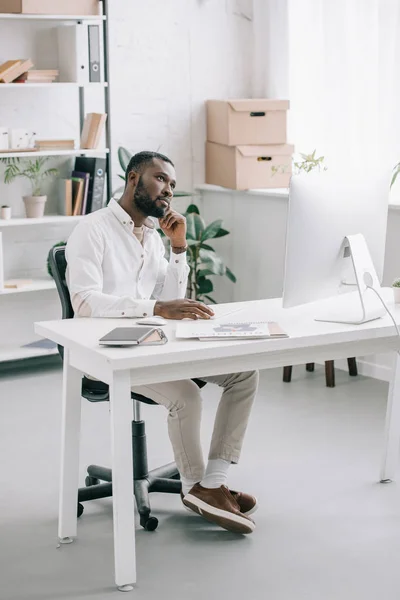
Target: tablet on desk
(133,336)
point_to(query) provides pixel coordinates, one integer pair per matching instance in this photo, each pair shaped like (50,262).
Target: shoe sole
(246,514)
(223,518)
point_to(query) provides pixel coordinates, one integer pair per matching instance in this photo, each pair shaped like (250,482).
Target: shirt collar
(125,220)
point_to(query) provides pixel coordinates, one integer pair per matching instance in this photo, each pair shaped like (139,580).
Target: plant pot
(5,212)
(396,294)
(34,206)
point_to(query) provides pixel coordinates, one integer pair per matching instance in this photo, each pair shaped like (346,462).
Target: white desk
(182,359)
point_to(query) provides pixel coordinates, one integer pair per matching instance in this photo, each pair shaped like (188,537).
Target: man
(116,265)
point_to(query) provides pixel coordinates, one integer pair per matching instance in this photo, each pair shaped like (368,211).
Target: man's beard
(145,203)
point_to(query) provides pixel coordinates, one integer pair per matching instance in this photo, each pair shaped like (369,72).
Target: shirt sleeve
(84,254)
(172,276)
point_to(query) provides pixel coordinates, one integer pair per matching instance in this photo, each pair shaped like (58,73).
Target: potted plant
(35,171)
(5,212)
(201,257)
(396,290)
(306,164)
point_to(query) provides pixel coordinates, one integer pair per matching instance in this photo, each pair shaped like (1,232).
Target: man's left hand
(174,226)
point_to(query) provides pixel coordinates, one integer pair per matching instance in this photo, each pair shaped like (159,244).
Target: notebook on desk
(207,330)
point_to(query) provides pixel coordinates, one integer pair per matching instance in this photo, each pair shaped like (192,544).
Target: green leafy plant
(32,169)
(396,283)
(124,156)
(309,162)
(202,258)
(396,171)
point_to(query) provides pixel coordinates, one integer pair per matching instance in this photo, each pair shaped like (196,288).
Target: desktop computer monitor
(335,244)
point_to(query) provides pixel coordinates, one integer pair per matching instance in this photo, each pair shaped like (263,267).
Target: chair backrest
(58,266)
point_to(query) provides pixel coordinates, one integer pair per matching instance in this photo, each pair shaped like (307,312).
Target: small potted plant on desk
(396,290)
(34,170)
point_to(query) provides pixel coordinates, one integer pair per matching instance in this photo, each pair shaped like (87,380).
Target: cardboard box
(249,167)
(51,7)
(239,122)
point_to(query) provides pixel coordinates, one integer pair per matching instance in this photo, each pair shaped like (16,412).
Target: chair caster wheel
(89,481)
(80,509)
(149,523)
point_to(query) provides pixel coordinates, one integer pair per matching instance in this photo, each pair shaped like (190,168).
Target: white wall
(167,58)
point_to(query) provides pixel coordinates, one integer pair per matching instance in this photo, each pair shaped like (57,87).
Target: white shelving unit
(27,241)
(46,220)
(9,353)
(19,17)
(67,84)
(37,285)
(78,152)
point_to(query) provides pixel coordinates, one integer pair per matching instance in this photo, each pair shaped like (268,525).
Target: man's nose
(168,192)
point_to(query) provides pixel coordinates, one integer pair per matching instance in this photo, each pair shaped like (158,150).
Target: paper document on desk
(207,330)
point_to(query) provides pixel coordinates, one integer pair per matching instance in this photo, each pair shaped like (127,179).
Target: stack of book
(12,69)
(74,194)
(55,144)
(92,130)
(38,76)
(83,192)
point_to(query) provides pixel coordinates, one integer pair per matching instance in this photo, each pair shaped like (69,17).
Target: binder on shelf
(94,53)
(92,130)
(96,167)
(73,53)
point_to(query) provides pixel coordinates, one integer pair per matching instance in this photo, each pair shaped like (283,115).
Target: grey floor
(326,530)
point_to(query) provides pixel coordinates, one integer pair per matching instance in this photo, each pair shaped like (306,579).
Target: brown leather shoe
(218,506)
(247,504)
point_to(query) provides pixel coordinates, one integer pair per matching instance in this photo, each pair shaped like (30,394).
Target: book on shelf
(12,69)
(92,130)
(96,167)
(78,186)
(55,144)
(79,175)
(16,284)
(38,76)
(65,197)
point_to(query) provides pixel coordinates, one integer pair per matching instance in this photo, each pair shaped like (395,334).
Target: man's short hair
(140,160)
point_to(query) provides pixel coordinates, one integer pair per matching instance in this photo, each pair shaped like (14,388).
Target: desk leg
(122,480)
(70,435)
(392,427)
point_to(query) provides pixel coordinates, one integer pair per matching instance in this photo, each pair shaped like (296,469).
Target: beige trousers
(183,401)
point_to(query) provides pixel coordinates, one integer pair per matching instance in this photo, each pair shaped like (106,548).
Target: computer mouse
(153,320)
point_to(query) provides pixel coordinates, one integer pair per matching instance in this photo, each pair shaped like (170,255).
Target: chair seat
(98,391)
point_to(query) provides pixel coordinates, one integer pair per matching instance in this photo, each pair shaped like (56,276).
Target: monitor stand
(362,305)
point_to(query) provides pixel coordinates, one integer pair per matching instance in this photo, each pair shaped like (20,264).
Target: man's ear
(133,179)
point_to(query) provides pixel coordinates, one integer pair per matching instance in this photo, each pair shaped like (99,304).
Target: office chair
(329,371)
(165,478)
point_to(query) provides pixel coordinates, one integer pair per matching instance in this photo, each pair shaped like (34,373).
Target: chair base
(163,479)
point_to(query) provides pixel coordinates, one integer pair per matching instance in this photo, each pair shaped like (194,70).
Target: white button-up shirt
(111,274)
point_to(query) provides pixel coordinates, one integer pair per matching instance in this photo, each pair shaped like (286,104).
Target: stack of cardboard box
(247,144)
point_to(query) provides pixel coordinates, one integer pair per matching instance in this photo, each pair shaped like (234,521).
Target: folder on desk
(209,331)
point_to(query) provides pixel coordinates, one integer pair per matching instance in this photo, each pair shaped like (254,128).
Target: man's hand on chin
(173,225)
